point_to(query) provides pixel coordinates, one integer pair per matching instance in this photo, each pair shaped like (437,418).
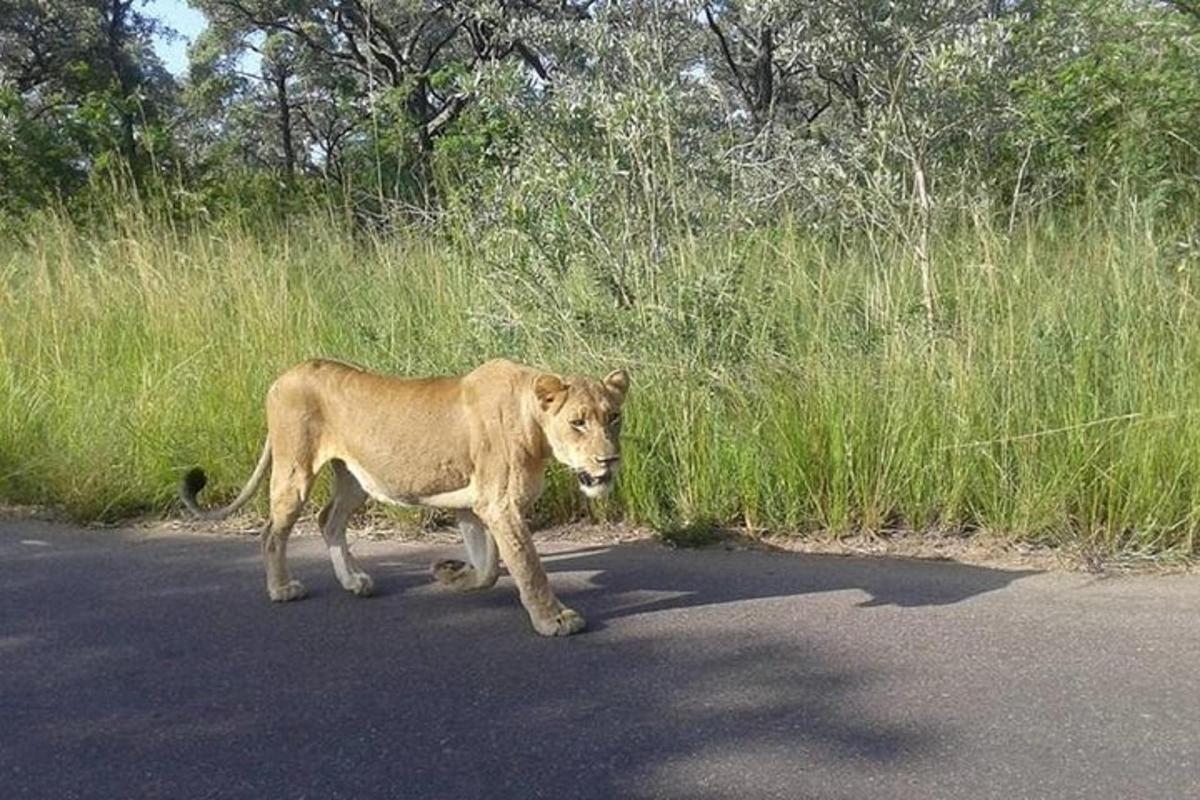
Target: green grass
(780,380)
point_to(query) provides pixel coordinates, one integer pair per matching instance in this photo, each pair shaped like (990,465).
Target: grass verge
(780,380)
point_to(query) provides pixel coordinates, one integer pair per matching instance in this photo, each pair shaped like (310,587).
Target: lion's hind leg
(483,565)
(290,486)
(348,497)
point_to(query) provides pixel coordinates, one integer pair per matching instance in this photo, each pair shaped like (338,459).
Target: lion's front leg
(548,615)
(481,569)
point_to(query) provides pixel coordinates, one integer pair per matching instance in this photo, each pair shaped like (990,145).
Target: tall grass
(780,379)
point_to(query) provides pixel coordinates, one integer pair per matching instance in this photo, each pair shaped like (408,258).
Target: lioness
(477,444)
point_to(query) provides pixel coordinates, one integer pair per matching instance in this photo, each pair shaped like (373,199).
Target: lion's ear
(549,390)
(617,381)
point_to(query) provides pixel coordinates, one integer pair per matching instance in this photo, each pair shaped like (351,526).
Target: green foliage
(1111,95)
(81,95)
(37,159)
(824,111)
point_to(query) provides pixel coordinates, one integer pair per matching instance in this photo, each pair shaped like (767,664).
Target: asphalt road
(141,666)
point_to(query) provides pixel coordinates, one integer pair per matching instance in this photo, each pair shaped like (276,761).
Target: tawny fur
(476,443)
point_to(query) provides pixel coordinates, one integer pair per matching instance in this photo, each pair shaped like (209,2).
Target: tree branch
(728,54)
(300,33)
(445,40)
(810,118)
(448,114)
(531,58)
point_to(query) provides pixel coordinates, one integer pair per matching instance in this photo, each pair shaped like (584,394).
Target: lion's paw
(458,575)
(565,623)
(448,570)
(292,590)
(361,584)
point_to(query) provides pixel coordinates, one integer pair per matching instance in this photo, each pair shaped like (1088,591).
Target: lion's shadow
(642,578)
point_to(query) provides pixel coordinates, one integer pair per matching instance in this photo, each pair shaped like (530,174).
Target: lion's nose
(606,460)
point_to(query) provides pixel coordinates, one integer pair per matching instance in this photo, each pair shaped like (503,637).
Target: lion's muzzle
(599,482)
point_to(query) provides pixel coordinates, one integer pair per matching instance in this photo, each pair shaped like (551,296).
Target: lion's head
(581,419)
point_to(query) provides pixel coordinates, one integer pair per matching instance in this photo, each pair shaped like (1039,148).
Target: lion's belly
(457,498)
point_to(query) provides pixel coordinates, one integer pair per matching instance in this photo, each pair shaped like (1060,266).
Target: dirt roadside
(979,549)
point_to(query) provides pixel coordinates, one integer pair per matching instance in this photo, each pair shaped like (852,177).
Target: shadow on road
(701,578)
(157,669)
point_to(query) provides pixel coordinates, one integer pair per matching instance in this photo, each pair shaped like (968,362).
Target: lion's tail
(195,480)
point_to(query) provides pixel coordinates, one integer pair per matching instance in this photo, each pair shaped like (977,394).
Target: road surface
(137,665)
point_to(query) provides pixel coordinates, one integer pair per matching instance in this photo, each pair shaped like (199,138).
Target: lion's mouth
(590,481)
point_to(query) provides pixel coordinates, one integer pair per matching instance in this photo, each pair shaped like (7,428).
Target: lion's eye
(577,424)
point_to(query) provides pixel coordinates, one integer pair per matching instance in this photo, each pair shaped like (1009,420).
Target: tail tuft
(194,481)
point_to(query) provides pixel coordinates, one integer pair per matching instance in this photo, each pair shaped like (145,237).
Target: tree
(404,46)
(83,82)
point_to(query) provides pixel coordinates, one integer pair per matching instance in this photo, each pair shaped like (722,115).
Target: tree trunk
(764,76)
(418,109)
(285,123)
(116,33)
